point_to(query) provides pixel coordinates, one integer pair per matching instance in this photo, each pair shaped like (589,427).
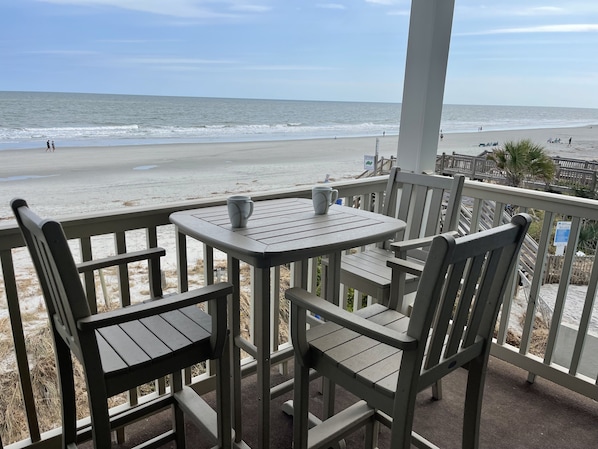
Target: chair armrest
(401,248)
(120,259)
(215,291)
(405,266)
(308,301)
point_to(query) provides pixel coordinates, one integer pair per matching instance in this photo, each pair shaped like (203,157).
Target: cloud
(294,68)
(129,41)
(540,10)
(498,10)
(404,12)
(250,8)
(179,61)
(381,2)
(564,28)
(191,9)
(330,6)
(62,52)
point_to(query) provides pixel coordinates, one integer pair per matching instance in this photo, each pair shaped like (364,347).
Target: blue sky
(508,52)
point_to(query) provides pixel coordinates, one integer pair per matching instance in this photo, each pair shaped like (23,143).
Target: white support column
(425,73)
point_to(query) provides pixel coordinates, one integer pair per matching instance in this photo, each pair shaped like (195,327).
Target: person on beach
(53,147)
(570,141)
(48,145)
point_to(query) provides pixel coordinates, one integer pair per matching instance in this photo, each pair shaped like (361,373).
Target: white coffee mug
(323,197)
(240,208)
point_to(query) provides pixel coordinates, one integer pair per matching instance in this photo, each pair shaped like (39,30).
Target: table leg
(234,310)
(300,273)
(331,291)
(333,279)
(181,250)
(333,295)
(264,349)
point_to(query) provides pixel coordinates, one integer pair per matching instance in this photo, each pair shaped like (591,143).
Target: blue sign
(561,235)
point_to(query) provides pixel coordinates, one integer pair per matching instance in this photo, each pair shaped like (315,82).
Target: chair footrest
(340,425)
(198,410)
(158,441)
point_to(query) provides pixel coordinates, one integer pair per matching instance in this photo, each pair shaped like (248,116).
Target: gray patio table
(280,231)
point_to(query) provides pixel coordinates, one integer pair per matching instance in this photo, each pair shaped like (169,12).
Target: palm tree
(521,159)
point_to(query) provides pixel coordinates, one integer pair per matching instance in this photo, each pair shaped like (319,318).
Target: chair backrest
(429,204)
(459,296)
(60,282)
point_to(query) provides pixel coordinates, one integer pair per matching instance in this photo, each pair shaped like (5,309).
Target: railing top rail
(563,204)
(564,169)
(81,226)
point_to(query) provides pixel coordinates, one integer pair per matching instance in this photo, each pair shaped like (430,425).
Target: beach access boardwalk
(570,174)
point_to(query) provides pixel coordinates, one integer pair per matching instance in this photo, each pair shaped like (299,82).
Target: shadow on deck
(516,414)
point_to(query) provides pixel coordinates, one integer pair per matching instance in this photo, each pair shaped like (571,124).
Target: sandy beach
(85,180)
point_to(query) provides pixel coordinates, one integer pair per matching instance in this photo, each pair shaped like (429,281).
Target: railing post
(18,336)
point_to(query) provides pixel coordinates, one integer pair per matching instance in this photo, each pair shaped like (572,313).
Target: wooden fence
(581,269)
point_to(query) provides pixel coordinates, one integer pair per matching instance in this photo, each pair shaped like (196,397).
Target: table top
(286,230)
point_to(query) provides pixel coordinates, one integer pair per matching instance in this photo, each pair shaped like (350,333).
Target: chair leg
(100,419)
(473,402)
(323,279)
(178,416)
(224,399)
(328,397)
(67,392)
(404,405)
(372,429)
(437,390)
(300,406)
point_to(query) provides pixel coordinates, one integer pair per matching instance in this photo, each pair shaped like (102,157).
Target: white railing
(147,227)
(565,349)
(21,303)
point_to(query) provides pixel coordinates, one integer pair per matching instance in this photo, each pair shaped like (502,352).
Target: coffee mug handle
(333,196)
(250,209)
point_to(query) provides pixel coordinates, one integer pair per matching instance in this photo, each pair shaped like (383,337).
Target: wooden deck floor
(516,414)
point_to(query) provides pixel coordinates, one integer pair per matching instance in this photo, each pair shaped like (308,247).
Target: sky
(508,52)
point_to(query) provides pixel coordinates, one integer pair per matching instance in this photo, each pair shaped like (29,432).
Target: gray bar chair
(385,357)
(429,205)
(124,348)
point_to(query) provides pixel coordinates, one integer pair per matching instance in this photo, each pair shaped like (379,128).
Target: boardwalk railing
(20,298)
(570,174)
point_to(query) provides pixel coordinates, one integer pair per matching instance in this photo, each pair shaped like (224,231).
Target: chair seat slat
(350,348)
(127,348)
(199,316)
(384,367)
(166,332)
(146,339)
(111,361)
(186,326)
(367,358)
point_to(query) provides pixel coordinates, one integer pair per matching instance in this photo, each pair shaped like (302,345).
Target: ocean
(28,119)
